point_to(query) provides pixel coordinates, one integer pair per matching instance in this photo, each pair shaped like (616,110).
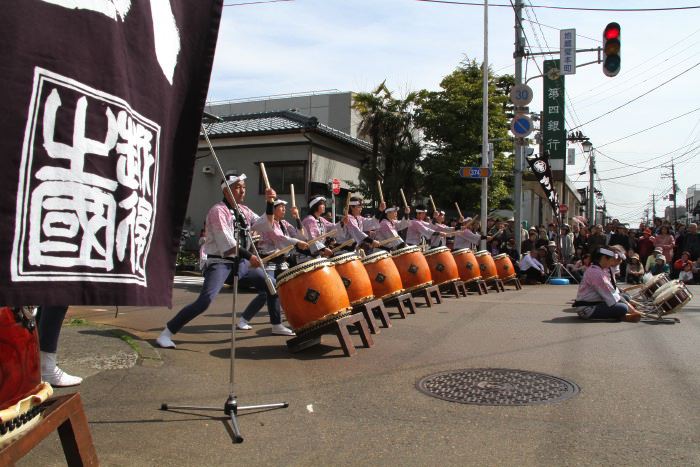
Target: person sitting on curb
(597,298)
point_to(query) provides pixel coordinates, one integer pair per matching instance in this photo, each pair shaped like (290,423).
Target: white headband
(278,202)
(606,252)
(420,210)
(231,179)
(391,209)
(355,203)
(316,200)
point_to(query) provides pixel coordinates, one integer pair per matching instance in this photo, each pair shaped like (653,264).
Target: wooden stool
(456,288)
(496,283)
(65,414)
(479,284)
(427,292)
(515,281)
(367,310)
(339,327)
(404,303)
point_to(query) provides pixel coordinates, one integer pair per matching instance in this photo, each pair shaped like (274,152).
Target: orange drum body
(413,268)
(442,265)
(354,277)
(312,292)
(382,272)
(486,265)
(21,389)
(467,266)
(504,266)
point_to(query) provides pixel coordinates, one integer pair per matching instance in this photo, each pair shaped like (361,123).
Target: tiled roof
(278,122)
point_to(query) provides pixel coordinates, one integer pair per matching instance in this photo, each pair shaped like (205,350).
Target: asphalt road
(638,401)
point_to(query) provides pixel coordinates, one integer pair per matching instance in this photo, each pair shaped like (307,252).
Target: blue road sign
(521,126)
(475,172)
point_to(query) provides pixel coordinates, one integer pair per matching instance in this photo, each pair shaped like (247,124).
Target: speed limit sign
(521,95)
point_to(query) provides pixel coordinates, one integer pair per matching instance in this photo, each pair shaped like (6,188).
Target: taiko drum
(467,266)
(413,268)
(486,265)
(383,275)
(442,265)
(312,292)
(354,277)
(504,266)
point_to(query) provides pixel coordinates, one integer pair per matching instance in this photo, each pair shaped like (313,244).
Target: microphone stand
(231,406)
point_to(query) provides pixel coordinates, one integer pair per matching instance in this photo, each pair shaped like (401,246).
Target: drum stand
(557,270)
(231,406)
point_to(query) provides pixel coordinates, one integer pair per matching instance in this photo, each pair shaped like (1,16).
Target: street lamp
(588,149)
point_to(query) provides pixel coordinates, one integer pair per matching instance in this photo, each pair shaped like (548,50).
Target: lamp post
(588,149)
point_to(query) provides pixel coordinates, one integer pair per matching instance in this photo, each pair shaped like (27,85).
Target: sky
(353,45)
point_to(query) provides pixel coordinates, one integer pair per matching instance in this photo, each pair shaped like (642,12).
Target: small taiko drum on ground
(648,289)
(504,266)
(312,293)
(664,287)
(467,266)
(354,277)
(672,299)
(442,264)
(486,265)
(21,389)
(382,272)
(412,267)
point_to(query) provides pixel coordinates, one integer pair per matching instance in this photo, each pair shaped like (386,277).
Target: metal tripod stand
(231,406)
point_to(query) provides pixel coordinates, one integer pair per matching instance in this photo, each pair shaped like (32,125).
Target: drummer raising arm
(419,228)
(353,226)
(388,226)
(276,233)
(316,225)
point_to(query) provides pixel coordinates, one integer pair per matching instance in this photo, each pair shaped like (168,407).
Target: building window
(283,174)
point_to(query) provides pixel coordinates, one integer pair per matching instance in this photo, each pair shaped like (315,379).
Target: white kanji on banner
(165,31)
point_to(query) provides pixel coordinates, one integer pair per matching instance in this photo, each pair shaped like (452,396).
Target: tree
(389,124)
(451,122)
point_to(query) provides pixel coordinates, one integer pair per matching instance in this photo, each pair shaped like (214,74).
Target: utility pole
(485,129)
(517,146)
(653,207)
(673,180)
(591,191)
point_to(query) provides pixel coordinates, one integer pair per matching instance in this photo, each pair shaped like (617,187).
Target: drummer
(353,228)
(316,225)
(466,237)
(389,226)
(597,298)
(419,228)
(439,226)
(276,233)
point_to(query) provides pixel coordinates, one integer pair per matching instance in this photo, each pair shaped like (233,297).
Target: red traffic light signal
(611,50)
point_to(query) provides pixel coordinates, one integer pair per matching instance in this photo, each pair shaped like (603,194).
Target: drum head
(436,250)
(374,257)
(344,258)
(461,251)
(502,255)
(405,250)
(667,293)
(302,268)
(482,253)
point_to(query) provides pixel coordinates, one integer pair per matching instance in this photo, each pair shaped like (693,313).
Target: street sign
(335,184)
(521,95)
(521,126)
(563,208)
(567,51)
(475,172)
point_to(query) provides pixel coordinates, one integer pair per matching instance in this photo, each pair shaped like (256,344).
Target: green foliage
(449,122)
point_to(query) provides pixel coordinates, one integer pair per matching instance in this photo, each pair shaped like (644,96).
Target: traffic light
(611,50)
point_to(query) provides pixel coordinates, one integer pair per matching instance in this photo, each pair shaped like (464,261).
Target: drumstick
(264,176)
(388,240)
(343,245)
(346,210)
(432,203)
(458,210)
(288,248)
(381,194)
(294,198)
(403,197)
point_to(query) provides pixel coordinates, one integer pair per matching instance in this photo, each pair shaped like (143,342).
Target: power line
(257,2)
(638,97)
(552,7)
(649,128)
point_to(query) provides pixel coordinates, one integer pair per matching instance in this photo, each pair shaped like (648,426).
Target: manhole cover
(497,386)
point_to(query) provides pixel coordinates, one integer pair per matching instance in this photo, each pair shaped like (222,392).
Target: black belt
(585,303)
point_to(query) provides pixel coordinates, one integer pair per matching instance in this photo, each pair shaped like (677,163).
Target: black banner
(543,171)
(102,103)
